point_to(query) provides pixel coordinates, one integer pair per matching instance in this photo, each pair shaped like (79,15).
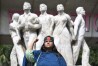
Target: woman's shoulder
(62,61)
(36,52)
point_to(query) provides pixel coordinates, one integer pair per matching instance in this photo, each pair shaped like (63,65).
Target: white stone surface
(46,20)
(62,36)
(29,24)
(17,51)
(79,31)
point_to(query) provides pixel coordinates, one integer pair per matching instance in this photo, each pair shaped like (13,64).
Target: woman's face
(48,43)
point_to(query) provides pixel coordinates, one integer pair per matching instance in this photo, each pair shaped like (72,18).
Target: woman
(47,56)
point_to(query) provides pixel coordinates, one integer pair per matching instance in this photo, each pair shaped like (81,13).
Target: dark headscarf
(43,48)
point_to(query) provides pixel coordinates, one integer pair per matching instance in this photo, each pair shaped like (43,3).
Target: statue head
(43,7)
(15,16)
(60,7)
(26,6)
(80,10)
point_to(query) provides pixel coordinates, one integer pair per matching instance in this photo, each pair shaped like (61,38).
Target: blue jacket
(45,59)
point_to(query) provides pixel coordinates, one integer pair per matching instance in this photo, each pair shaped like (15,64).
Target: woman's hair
(43,48)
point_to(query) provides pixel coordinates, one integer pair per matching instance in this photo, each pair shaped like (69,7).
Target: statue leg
(13,57)
(66,52)
(76,49)
(20,54)
(26,38)
(19,50)
(85,54)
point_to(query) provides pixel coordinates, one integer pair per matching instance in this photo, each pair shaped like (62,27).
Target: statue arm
(71,30)
(21,25)
(70,26)
(11,28)
(14,28)
(34,25)
(76,26)
(52,25)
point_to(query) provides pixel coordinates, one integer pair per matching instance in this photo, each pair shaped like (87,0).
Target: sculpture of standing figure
(28,23)
(62,34)
(79,31)
(46,20)
(17,51)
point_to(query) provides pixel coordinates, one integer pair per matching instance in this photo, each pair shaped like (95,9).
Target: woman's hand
(32,44)
(35,41)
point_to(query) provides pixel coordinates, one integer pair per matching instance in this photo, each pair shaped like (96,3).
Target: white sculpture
(28,22)
(46,20)
(79,31)
(62,36)
(17,51)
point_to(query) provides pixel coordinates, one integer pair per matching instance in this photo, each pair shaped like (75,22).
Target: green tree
(5,51)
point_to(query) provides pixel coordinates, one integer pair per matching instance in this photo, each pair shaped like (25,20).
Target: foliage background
(93,56)
(5,51)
